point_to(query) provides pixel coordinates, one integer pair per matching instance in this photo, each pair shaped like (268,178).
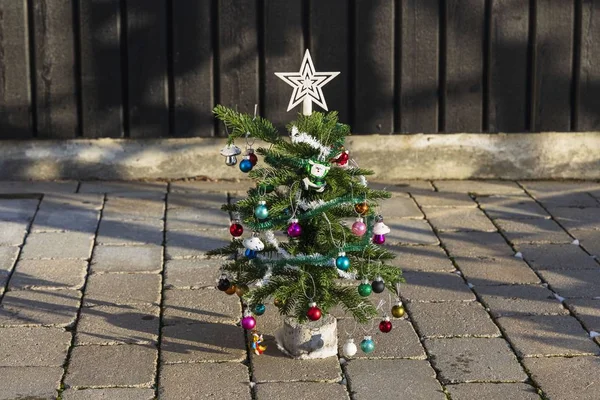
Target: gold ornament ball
(278,302)
(398,311)
(241,289)
(232,289)
(361,208)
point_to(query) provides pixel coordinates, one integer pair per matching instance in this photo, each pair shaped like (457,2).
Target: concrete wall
(418,156)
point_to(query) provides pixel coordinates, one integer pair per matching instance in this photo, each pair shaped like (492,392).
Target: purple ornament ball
(294,230)
(248,322)
(379,239)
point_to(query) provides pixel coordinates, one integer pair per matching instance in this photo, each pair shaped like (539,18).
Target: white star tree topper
(308,85)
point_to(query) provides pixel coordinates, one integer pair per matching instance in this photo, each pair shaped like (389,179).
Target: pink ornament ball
(248,322)
(294,230)
(359,228)
(379,239)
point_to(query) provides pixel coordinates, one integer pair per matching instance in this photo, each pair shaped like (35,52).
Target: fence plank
(101,90)
(238,55)
(192,68)
(329,49)
(15,99)
(419,66)
(589,81)
(147,68)
(508,64)
(284,47)
(553,69)
(55,73)
(374,60)
(464,65)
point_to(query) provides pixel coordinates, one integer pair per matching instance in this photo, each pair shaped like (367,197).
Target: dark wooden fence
(155,68)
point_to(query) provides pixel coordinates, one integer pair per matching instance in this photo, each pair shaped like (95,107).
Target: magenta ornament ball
(359,228)
(379,239)
(294,230)
(248,322)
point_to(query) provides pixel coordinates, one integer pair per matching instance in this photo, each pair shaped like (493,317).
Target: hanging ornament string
(353,330)
(310,298)
(294,196)
(339,244)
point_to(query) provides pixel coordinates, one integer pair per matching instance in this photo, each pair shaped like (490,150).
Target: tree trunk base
(309,340)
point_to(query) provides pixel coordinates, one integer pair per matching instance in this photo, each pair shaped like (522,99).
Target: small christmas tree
(307,188)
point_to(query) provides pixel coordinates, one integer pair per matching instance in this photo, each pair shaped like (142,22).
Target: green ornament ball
(261,211)
(259,309)
(364,289)
(367,345)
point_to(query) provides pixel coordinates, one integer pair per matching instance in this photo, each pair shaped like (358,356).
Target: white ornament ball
(349,348)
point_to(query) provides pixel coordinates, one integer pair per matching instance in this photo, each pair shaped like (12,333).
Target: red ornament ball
(313,313)
(343,158)
(236,229)
(253,158)
(385,326)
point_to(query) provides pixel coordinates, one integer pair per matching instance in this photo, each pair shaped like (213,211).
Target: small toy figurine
(317,171)
(256,343)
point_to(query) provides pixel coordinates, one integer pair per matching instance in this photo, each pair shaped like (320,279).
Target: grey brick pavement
(107,293)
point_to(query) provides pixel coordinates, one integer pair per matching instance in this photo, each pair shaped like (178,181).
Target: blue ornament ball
(261,211)
(250,254)
(259,309)
(245,165)
(343,263)
(367,345)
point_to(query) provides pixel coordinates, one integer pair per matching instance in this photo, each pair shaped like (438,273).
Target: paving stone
(18,210)
(459,219)
(8,256)
(198,199)
(547,335)
(127,259)
(577,218)
(512,207)
(400,207)
(106,394)
(110,289)
(139,232)
(420,258)
(401,187)
(216,186)
(36,307)
(587,311)
(35,383)
(563,194)
(577,283)
(134,208)
(49,274)
(12,233)
(202,342)
(195,244)
(452,320)
(474,359)
(122,365)
(58,245)
(444,199)
(80,201)
(475,244)
(65,220)
(533,231)
(192,274)
(504,391)
(123,187)
(398,379)
(200,306)
(409,231)
(573,378)
(301,390)
(118,324)
(478,187)
(520,300)
(556,256)
(197,219)
(434,286)
(496,271)
(20,187)
(401,342)
(33,347)
(274,366)
(216,380)
(590,240)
